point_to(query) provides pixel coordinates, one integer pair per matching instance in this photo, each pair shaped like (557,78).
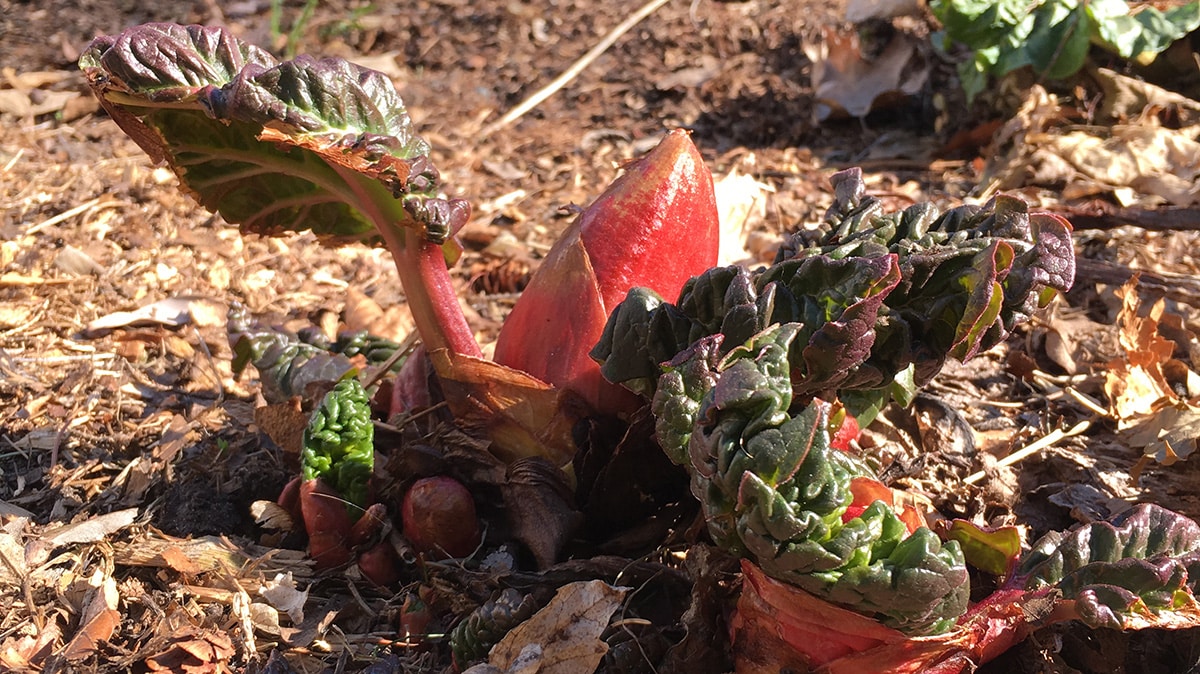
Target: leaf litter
(95,426)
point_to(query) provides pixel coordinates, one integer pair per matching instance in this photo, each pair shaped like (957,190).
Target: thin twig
(1020,454)
(103,199)
(576,68)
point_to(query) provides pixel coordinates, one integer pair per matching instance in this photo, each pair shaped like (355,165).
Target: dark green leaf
(1145,561)
(773,488)
(219,112)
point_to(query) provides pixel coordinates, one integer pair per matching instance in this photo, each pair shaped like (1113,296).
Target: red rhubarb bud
(377,560)
(439,517)
(655,227)
(327,523)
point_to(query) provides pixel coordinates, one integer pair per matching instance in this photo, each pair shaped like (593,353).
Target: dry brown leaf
(98,620)
(563,637)
(1152,415)
(741,206)
(1144,163)
(22,104)
(194,651)
(13,568)
(26,651)
(522,415)
(90,530)
(847,83)
(171,312)
(1135,384)
(364,313)
(1128,97)
(541,509)
(1169,436)
(1150,160)
(283,595)
(272,516)
(177,560)
(284,423)
(1075,342)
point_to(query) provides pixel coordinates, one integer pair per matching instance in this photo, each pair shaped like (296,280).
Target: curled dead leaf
(98,620)
(563,637)
(539,502)
(194,651)
(850,83)
(1152,414)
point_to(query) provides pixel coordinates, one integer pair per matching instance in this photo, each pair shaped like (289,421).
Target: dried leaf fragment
(99,618)
(25,652)
(282,594)
(567,632)
(1154,417)
(194,651)
(90,530)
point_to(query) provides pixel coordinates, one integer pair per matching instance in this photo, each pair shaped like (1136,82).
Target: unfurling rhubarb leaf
(275,147)
(339,443)
(1140,569)
(289,362)
(773,489)
(655,227)
(1136,571)
(882,298)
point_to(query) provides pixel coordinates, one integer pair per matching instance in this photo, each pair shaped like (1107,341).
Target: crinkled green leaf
(218,111)
(771,487)
(681,388)
(1141,568)
(288,363)
(881,298)
(339,442)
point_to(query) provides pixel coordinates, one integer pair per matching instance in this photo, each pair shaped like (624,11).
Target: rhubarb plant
(864,310)
(757,378)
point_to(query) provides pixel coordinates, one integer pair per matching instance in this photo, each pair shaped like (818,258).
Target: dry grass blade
(1033,448)
(576,68)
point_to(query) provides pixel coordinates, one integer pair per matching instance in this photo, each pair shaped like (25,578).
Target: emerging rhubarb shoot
(654,227)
